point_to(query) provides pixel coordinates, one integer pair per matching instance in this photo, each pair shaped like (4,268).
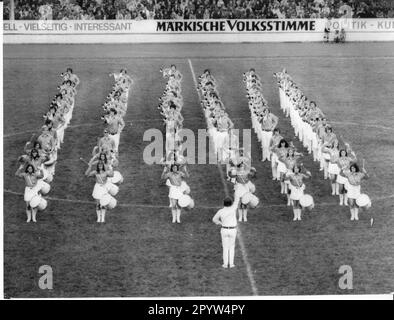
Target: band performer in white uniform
(268,123)
(227,219)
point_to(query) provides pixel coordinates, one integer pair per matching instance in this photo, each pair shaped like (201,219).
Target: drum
(45,188)
(35,201)
(191,204)
(254,201)
(105,200)
(185,188)
(117,178)
(113,189)
(49,178)
(251,187)
(246,198)
(184,201)
(112,204)
(42,205)
(306,201)
(363,200)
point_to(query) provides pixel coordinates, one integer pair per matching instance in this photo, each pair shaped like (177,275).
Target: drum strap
(29,178)
(298,182)
(101,179)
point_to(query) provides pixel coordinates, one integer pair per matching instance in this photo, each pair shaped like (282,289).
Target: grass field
(138,252)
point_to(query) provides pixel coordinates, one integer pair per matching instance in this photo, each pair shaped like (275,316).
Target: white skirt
(281,167)
(240,190)
(342,180)
(296,193)
(353,192)
(99,191)
(274,158)
(175,192)
(251,187)
(288,181)
(185,187)
(221,137)
(333,168)
(31,192)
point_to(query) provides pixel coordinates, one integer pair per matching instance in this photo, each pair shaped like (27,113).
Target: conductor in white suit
(227,219)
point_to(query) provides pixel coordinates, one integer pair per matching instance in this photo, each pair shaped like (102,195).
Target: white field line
(227,193)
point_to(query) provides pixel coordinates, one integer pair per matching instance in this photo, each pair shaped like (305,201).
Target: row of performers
(285,160)
(239,170)
(338,163)
(175,167)
(37,164)
(105,155)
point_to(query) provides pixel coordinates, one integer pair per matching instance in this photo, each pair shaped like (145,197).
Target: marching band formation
(37,164)
(105,155)
(338,163)
(175,166)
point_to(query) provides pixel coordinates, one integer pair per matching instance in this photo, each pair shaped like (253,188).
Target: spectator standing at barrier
(207,14)
(186,14)
(227,219)
(200,13)
(238,12)
(216,14)
(327,27)
(257,7)
(45,11)
(390,13)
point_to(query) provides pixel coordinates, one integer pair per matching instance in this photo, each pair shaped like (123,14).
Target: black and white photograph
(197,149)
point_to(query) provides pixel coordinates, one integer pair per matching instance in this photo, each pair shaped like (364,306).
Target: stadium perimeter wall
(151,31)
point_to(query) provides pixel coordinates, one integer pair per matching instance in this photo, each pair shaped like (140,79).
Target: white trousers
(282,97)
(116,138)
(228,243)
(265,144)
(221,137)
(60,135)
